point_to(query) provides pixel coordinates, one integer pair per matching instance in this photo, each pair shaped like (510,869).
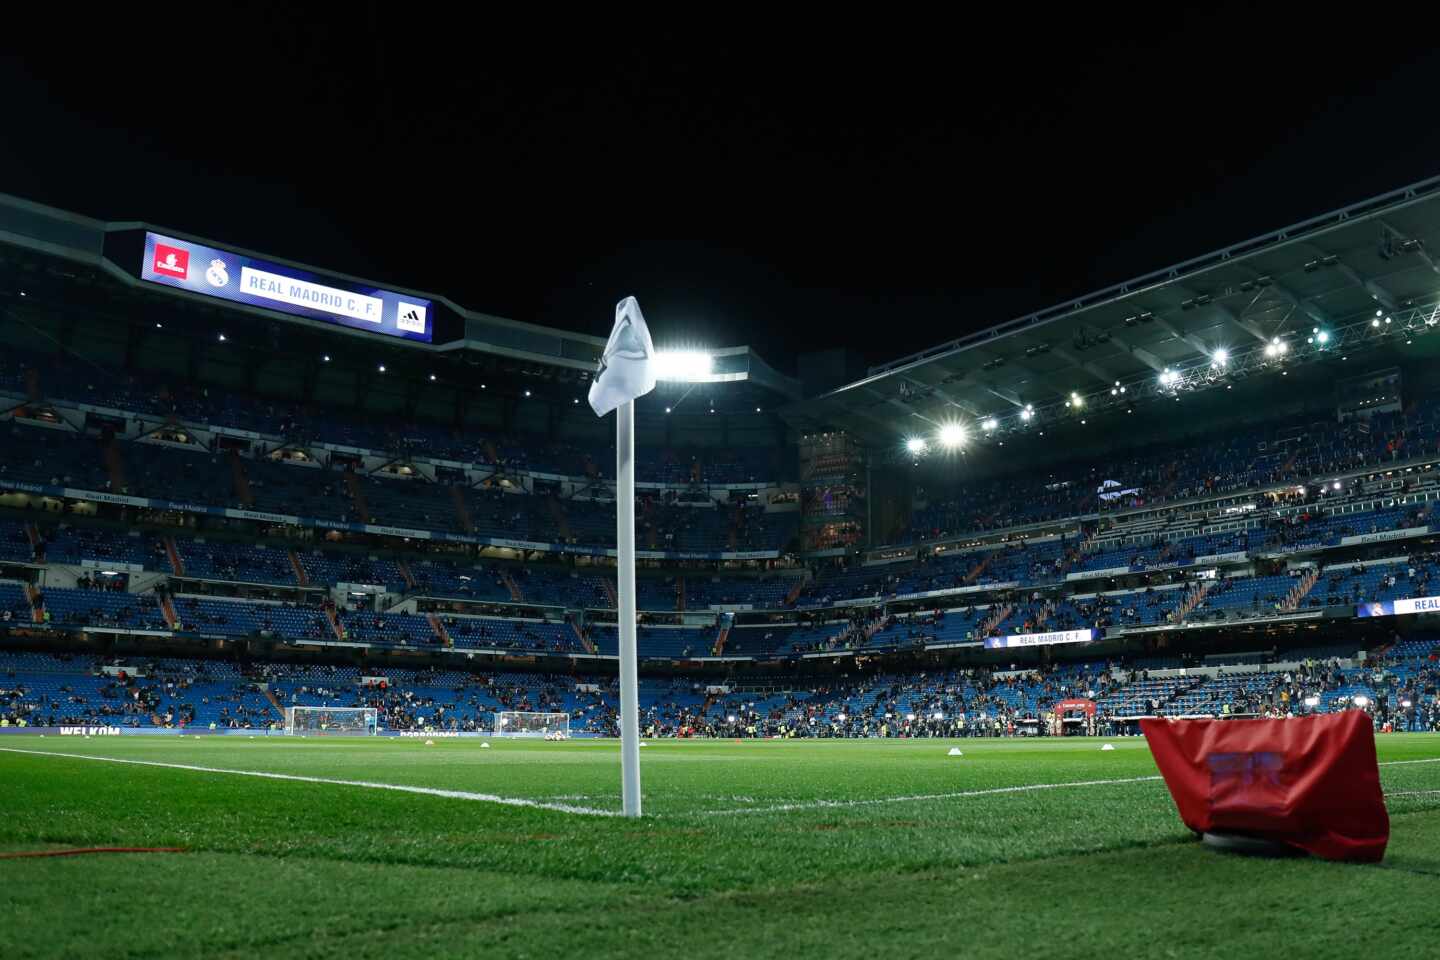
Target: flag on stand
(1309,782)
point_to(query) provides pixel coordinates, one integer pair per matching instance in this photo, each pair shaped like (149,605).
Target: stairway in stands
(37,609)
(1192,599)
(1297,593)
(357,496)
(301,577)
(334,619)
(978,569)
(585,642)
(512,586)
(240,480)
(172,550)
(115,466)
(557,513)
(406,575)
(437,625)
(274,701)
(462,510)
(680,594)
(609,586)
(167,610)
(718,649)
(32,533)
(997,616)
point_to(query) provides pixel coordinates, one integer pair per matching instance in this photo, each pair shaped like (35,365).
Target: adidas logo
(410,317)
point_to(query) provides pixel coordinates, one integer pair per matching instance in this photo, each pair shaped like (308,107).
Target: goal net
(514,723)
(332,721)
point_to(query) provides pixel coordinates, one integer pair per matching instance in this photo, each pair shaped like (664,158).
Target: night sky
(789,186)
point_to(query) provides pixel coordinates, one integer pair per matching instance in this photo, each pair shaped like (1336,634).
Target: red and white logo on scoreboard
(172,261)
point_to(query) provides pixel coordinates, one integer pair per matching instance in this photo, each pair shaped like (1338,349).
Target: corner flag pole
(627,371)
(625,575)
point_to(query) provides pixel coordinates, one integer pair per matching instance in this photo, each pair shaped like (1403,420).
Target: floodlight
(916,445)
(1375,322)
(527,392)
(1221,356)
(1271,349)
(325,358)
(1322,336)
(682,364)
(1168,377)
(222,338)
(989,423)
(1282,346)
(432,378)
(1077,400)
(381,368)
(952,436)
(667,409)
(1027,413)
(1337,485)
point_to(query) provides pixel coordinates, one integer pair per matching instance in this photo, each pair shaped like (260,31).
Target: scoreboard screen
(212,272)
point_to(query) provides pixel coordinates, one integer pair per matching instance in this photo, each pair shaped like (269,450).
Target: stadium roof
(1263,303)
(53,235)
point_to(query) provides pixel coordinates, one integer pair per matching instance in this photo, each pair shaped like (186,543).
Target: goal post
(519,723)
(332,721)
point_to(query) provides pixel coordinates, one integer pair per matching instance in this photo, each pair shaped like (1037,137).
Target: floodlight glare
(1337,484)
(1077,400)
(682,364)
(989,423)
(1027,413)
(952,436)
(1375,322)
(1168,377)
(1271,349)
(916,445)
(1322,336)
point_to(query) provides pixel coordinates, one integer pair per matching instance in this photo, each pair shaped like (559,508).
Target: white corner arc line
(399,787)
(918,797)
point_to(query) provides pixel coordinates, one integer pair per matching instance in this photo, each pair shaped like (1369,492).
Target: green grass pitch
(830,849)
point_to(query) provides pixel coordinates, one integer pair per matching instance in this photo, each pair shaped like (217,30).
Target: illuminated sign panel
(1039,639)
(212,272)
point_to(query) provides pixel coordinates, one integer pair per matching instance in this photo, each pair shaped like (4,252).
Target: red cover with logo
(1311,782)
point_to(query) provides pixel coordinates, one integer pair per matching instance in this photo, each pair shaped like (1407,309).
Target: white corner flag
(627,371)
(627,367)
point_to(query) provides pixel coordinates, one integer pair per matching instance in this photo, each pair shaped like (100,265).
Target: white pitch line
(965,794)
(958,795)
(401,788)
(1396,763)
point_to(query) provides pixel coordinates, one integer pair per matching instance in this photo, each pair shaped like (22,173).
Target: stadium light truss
(1224,366)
